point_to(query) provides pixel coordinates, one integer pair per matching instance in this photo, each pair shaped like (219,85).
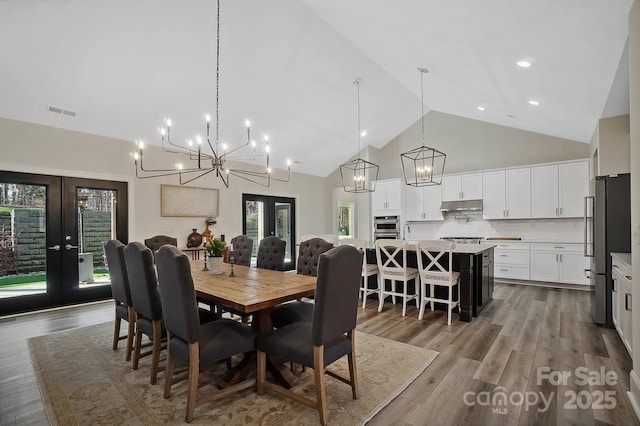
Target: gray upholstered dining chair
(200,346)
(271,251)
(308,257)
(114,252)
(146,303)
(143,283)
(330,334)
(155,242)
(309,254)
(242,249)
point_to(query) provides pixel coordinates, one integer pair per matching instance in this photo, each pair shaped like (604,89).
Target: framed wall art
(188,201)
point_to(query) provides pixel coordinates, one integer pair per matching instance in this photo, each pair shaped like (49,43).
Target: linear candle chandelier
(359,175)
(423,166)
(203,163)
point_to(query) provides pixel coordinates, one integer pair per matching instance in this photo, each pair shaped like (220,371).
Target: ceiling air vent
(58,110)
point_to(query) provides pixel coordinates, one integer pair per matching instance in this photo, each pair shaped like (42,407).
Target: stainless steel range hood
(461,206)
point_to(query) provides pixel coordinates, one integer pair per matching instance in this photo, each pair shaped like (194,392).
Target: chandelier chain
(218,75)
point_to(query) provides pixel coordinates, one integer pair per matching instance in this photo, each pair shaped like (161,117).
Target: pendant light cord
(422,71)
(357,83)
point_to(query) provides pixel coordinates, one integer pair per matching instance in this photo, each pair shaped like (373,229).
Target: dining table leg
(282,375)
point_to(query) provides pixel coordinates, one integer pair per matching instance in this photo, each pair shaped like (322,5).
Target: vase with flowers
(215,248)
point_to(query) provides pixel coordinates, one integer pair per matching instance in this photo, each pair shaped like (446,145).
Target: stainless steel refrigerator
(607,229)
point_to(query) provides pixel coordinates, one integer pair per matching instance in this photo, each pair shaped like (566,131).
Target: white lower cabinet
(561,263)
(511,261)
(621,301)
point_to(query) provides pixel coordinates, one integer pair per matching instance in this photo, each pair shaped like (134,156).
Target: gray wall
(610,146)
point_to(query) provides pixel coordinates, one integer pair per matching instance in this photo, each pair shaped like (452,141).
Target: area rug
(83,381)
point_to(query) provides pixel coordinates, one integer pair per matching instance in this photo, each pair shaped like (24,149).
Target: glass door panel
(23,248)
(96,225)
(283,227)
(254,224)
(94,212)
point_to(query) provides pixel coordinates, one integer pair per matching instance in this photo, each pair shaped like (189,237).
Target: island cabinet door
(486,290)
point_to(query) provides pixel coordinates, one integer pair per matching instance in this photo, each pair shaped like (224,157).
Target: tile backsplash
(560,230)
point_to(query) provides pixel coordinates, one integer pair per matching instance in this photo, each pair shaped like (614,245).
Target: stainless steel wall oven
(387,227)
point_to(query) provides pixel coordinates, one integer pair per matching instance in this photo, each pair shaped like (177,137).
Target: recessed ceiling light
(524,63)
(480,108)
(363,133)
(534,102)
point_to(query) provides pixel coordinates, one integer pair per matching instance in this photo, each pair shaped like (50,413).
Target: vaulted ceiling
(288,66)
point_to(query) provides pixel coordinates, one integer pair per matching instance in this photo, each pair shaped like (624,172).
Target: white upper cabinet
(518,193)
(544,191)
(507,194)
(573,187)
(462,187)
(494,200)
(422,203)
(558,190)
(386,200)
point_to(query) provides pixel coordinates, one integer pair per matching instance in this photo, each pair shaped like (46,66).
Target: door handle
(627,301)
(69,247)
(56,247)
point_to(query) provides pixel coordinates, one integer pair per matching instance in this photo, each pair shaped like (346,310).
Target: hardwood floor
(524,330)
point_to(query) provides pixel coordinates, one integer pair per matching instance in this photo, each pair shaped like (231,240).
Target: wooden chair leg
(131,316)
(116,332)
(318,369)
(194,372)
(449,306)
(262,371)
(422,302)
(381,297)
(404,298)
(394,288)
(353,371)
(155,351)
(168,371)
(136,350)
(432,289)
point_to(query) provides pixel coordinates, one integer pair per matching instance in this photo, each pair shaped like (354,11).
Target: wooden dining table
(252,291)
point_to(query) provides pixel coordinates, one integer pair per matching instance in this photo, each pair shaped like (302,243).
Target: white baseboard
(542,284)
(634,392)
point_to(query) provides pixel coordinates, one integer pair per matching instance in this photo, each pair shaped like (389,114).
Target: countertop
(464,248)
(625,257)
(527,240)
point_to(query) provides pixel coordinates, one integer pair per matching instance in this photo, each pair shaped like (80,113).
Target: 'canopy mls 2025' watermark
(500,399)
